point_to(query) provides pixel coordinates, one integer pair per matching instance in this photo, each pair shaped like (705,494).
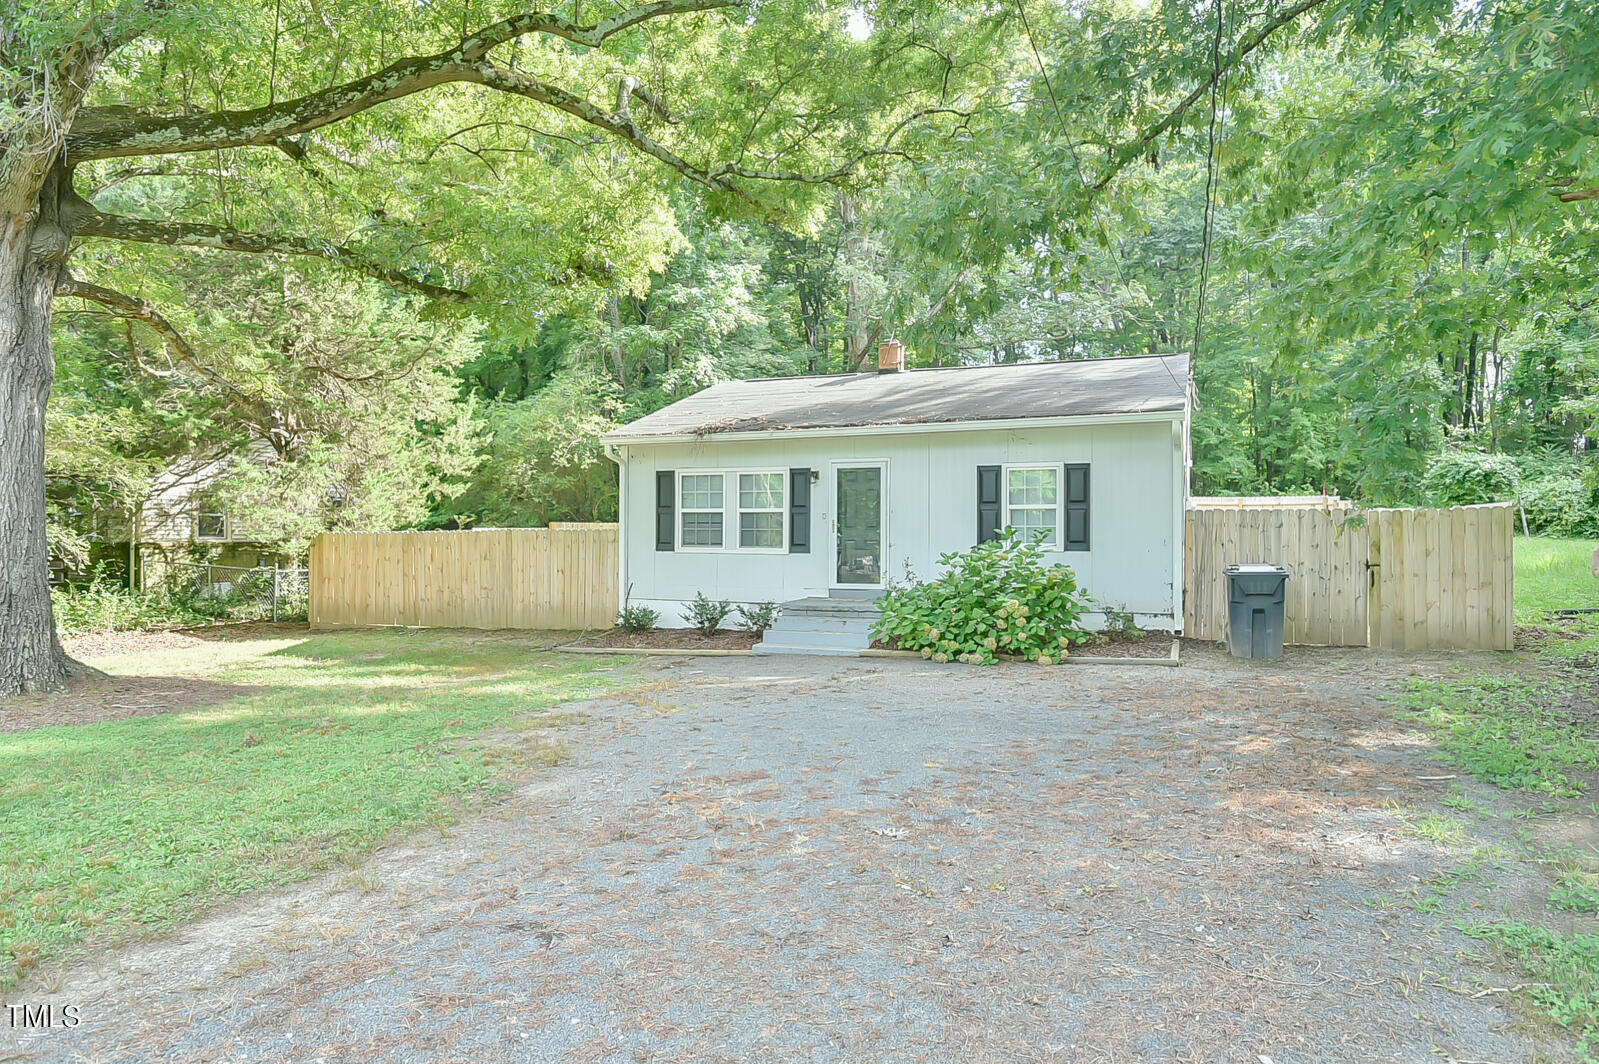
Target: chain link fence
(253,594)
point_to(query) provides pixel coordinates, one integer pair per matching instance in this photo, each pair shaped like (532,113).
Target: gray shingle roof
(925,396)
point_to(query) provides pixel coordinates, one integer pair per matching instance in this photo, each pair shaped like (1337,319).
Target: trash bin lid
(1256,568)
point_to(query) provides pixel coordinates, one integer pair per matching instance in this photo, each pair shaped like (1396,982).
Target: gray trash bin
(1255,596)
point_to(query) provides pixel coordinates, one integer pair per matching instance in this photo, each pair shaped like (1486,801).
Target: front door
(858,524)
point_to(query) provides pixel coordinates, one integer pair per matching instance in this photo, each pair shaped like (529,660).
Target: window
(1032,503)
(701,509)
(760,511)
(758,503)
(210,522)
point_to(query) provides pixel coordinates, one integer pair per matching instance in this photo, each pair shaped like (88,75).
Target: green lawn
(1554,574)
(111,829)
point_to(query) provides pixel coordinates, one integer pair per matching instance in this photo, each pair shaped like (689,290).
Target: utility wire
(1210,189)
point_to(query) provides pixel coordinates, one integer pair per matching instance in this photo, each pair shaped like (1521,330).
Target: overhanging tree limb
(99,136)
(94,223)
(1127,151)
(132,308)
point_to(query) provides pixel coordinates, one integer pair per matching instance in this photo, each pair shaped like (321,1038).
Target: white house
(831,487)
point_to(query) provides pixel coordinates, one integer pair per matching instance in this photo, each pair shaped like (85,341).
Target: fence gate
(1324,553)
(1443,579)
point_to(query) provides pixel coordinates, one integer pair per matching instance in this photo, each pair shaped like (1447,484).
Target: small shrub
(757,617)
(707,615)
(997,598)
(638,618)
(1121,628)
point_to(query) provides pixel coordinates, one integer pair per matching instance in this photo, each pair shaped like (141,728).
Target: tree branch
(158,135)
(844,169)
(1133,149)
(520,84)
(132,308)
(93,223)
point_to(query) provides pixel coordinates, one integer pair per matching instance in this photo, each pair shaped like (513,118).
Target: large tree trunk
(33,250)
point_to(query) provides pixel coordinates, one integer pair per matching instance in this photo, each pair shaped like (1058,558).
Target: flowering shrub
(997,598)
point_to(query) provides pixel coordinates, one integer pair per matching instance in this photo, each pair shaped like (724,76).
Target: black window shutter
(799,511)
(1076,507)
(665,510)
(987,503)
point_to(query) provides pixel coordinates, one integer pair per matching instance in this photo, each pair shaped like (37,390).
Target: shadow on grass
(118,698)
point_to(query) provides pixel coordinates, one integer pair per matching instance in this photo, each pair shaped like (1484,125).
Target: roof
(1021,390)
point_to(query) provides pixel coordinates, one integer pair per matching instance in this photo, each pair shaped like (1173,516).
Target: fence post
(275,572)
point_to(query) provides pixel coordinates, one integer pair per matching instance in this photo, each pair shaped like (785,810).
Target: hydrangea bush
(997,598)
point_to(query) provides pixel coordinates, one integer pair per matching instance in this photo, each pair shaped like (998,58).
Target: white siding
(1136,482)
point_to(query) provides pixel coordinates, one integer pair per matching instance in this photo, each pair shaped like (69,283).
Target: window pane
(702,530)
(702,492)
(760,491)
(760,530)
(1031,522)
(1033,487)
(211,526)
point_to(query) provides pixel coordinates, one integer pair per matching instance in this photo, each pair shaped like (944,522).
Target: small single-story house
(829,487)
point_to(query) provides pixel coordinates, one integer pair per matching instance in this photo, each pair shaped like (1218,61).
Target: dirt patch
(671,639)
(103,644)
(1153,645)
(117,698)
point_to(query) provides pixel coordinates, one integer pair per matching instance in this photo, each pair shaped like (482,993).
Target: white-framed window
(762,511)
(1032,503)
(700,510)
(209,521)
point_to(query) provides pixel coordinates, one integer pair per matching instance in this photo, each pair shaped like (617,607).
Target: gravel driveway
(804,859)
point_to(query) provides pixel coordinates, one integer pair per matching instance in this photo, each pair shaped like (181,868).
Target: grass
(1509,731)
(1577,892)
(114,829)
(1554,574)
(1564,970)
(1514,729)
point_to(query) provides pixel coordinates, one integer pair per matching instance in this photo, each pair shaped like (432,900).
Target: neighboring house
(181,520)
(829,488)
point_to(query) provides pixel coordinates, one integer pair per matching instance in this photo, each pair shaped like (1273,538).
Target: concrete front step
(816,622)
(835,640)
(834,626)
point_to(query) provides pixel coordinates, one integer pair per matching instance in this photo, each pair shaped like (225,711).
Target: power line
(1210,186)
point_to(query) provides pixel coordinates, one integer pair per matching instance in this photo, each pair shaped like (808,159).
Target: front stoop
(841,627)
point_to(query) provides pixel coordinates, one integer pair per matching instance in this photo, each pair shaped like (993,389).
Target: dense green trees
(485,235)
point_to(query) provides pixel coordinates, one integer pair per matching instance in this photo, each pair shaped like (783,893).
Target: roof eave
(906,428)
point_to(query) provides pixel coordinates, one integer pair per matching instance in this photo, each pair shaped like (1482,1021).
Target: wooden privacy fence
(1397,579)
(1443,579)
(1324,553)
(561,577)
